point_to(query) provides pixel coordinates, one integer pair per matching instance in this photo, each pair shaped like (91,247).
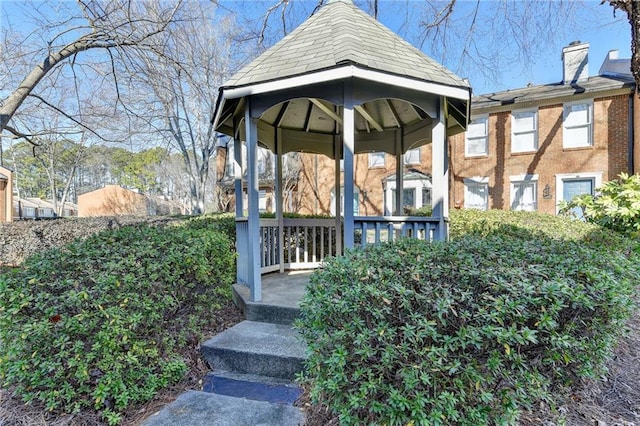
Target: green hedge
(467,332)
(99,322)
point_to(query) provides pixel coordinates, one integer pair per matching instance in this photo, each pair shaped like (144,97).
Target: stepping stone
(195,408)
(257,388)
(251,347)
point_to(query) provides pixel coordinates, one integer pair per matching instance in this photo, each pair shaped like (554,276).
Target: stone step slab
(195,408)
(250,386)
(251,347)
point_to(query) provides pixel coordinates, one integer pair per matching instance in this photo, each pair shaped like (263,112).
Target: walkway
(254,364)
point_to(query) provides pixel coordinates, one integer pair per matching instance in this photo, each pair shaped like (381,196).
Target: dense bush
(521,224)
(467,332)
(424,211)
(616,206)
(19,240)
(98,323)
(222,222)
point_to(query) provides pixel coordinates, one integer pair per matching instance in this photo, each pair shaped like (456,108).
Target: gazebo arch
(340,84)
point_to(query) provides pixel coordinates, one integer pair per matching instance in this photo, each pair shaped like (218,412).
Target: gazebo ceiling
(297,87)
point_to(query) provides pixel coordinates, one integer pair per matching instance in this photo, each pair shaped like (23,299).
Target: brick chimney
(575,61)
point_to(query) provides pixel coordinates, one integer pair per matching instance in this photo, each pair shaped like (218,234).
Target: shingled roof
(340,34)
(556,92)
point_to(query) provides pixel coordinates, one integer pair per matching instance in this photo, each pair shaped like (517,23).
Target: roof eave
(343,71)
(543,99)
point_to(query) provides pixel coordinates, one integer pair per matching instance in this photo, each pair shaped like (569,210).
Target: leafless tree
(179,85)
(113,27)
(632,10)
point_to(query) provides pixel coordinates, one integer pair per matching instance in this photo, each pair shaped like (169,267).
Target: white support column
(279,199)
(255,284)
(238,172)
(337,143)
(348,143)
(397,202)
(440,171)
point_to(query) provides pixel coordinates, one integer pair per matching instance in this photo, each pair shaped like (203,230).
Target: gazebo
(339,84)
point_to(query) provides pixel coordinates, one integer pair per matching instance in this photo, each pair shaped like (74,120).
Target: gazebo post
(238,172)
(348,141)
(253,228)
(336,189)
(241,236)
(440,178)
(279,199)
(397,202)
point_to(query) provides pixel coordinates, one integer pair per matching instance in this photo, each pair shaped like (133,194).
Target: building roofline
(551,94)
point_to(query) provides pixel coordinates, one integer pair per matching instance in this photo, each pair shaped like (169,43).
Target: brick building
(525,149)
(6,195)
(530,148)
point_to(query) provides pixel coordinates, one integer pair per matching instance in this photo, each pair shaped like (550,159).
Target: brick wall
(6,196)
(609,153)
(317,181)
(112,200)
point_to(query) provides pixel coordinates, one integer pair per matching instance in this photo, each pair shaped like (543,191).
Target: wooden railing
(377,229)
(307,242)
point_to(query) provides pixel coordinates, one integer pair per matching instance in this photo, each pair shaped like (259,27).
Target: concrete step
(283,310)
(251,386)
(251,347)
(195,408)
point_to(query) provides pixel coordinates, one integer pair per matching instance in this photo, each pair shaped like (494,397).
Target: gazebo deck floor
(280,290)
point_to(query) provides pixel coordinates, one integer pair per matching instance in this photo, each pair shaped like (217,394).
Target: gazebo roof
(297,86)
(339,34)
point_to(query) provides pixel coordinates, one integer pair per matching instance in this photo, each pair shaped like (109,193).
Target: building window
(426,197)
(408,198)
(262,200)
(412,156)
(376,159)
(476,193)
(30,212)
(524,192)
(577,125)
(476,137)
(230,169)
(524,131)
(356,201)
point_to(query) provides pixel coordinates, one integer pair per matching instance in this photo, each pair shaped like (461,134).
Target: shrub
(466,332)
(98,323)
(424,211)
(521,224)
(617,205)
(221,222)
(19,240)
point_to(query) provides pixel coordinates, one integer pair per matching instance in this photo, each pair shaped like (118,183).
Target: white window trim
(405,156)
(417,184)
(375,157)
(590,142)
(560,178)
(535,130)
(486,136)
(515,179)
(475,180)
